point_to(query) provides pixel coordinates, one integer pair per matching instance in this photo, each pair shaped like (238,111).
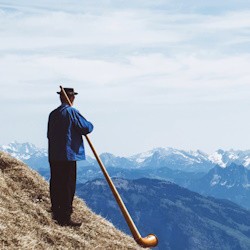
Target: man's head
(70,93)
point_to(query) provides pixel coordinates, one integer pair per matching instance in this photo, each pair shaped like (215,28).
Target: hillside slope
(25,222)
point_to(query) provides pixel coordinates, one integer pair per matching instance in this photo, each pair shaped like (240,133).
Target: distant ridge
(25,222)
(175,159)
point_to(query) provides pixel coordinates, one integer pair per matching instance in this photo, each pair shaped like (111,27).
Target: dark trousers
(62,188)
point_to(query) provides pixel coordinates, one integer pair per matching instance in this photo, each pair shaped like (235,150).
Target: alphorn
(150,240)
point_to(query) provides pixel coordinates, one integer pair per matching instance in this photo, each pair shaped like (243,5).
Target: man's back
(65,129)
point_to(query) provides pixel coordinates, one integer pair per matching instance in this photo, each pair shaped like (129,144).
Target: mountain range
(181,219)
(190,161)
(223,174)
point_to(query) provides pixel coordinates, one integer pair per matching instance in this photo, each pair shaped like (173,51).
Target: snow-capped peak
(23,151)
(170,157)
(225,158)
(216,158)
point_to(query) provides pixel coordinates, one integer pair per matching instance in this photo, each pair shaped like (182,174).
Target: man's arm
(80,123)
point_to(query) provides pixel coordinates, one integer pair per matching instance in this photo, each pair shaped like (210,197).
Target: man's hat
(69,91)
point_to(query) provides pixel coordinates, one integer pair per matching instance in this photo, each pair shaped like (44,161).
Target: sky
(149,73)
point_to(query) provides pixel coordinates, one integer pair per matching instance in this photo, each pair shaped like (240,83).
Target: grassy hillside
(25,222)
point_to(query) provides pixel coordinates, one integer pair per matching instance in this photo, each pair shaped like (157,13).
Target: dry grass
(25,222)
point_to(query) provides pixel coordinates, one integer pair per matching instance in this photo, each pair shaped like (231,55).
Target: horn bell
(149,241)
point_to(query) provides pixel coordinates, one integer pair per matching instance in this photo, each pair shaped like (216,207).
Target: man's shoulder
(64,110)
(72,110)
(60,109)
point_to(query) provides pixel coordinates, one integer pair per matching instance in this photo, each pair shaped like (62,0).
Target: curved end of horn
(149,241)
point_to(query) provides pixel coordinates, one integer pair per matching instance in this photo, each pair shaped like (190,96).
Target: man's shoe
(73,223)
(69,223)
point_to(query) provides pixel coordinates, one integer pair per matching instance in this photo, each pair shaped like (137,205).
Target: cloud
(58,29)
(115,32)
(163,61)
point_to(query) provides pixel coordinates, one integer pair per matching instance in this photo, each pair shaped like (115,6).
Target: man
(65,129)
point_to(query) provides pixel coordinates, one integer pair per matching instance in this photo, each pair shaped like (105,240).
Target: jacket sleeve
(80,123)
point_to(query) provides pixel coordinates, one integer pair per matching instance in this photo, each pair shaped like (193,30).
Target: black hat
(69,91)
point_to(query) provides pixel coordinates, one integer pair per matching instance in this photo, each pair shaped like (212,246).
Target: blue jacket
(65,129)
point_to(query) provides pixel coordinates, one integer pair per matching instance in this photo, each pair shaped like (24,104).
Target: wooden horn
(148,241)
